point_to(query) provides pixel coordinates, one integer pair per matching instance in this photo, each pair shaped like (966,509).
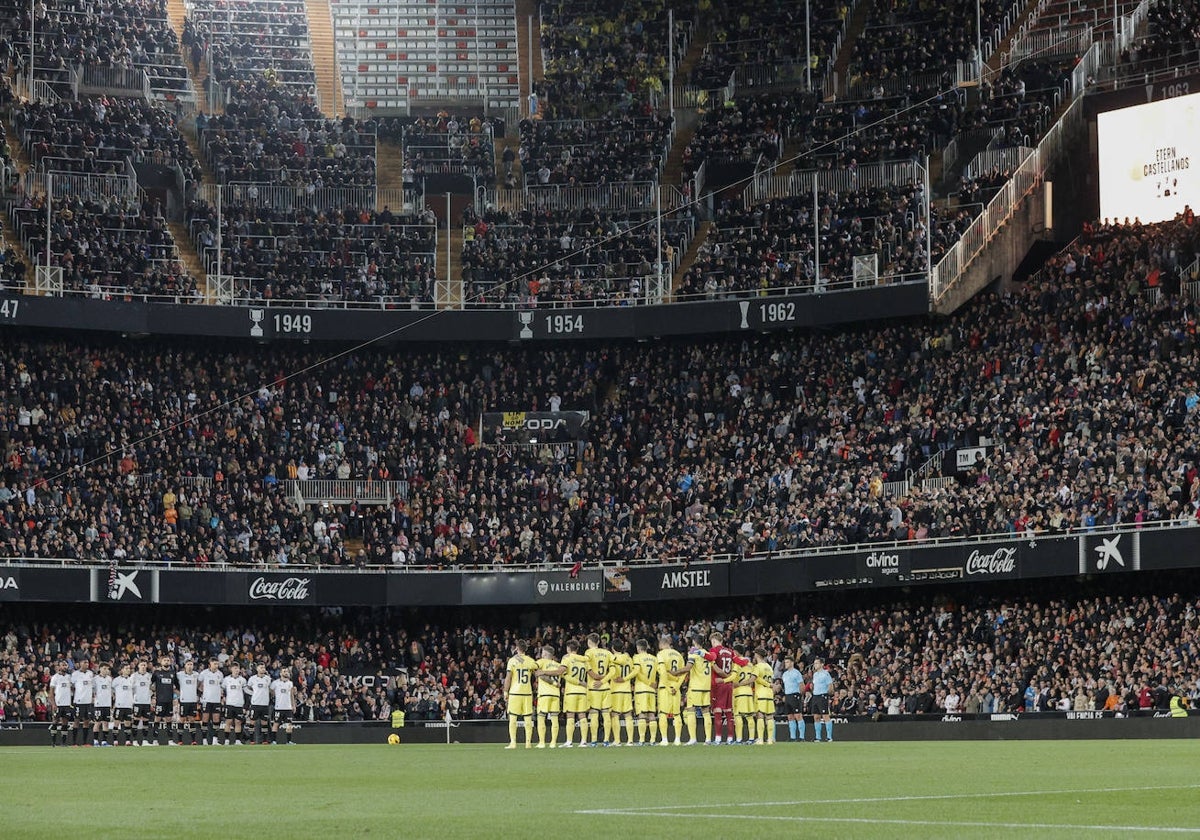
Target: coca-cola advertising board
(281,589)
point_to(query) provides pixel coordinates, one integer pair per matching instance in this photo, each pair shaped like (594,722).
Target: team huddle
(141,707)
(601,688)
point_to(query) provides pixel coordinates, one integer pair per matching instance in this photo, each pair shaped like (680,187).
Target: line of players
(601,688)
(138,706)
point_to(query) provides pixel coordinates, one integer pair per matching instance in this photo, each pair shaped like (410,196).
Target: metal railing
(1009,198)
(345,491)
(767,186)
(990,160)
(631,195)
(798,554)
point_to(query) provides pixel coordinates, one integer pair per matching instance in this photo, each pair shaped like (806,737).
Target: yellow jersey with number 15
(521,667)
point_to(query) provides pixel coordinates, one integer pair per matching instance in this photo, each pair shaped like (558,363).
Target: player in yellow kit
(599,700)
(764,697)
(575,693)
(743,679)
(518,694)
(699,693)
(645,692)
(672,670)
(620,682)
(549,698)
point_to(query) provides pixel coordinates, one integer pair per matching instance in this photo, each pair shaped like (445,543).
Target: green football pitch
(947,789)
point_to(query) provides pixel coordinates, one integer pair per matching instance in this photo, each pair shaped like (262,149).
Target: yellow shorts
(549,704)
(764,707)
(668,701)
(600,700)
(645,703)
(575,703)
(622,702)
(520,704)
(743,704)
(699,697)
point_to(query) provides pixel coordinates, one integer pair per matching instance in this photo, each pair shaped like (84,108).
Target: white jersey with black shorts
(235,697)
(123,698)
(104,698)
(210,691)
(260,696)
(285,705)
(60,684)
(84,684)
(143,693)
(189,697)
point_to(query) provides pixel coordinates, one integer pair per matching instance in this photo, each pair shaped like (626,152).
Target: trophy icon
(256,318)
(744,306)
(526,319)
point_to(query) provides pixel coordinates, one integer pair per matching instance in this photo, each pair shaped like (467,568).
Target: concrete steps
(389,166)
(329,79)
(23,164)
(177,15)
(858,22)
(190,257)
(449,295)
(527,47)
(689,257)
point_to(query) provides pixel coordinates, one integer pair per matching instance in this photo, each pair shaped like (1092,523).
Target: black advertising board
(423,325)
(1049,557)
(565,588)
(61,585)
(770,577)
(1002,559)
(497,588)
(659,583)
(10,583)
(425,589)
(1176,548)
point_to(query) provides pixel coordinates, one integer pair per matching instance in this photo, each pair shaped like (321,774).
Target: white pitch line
(929,823)
(914,798)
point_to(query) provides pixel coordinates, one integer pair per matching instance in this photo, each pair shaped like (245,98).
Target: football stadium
(501,418)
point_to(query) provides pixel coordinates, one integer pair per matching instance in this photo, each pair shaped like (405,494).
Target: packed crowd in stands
(252,42)
(73,33)
(273,136)
(538,256)
(348,255)
(446,143)
(764,42)
(848,133)
(605,57)
(100,135)
(720,445)
(624,147)
(1172,38)
(770,245)
(107,248)
(1020,101)
(1059,649)
(895,47)
(746,127)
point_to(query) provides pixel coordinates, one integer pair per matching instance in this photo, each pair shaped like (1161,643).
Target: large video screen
(1146,159)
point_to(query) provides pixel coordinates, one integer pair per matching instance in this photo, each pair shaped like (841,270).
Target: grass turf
(947,789)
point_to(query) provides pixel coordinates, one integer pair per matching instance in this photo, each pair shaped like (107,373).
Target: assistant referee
(793,701)
(822,682)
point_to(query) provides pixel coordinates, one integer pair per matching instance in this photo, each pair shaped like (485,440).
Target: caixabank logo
(1108,553)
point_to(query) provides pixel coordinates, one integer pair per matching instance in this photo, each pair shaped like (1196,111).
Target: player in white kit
(122,688)
(285,706)
(189,700)
(259,686)
(83,681)
(235,703)
(102,716)
(210,700)
(143,702)
(62,711)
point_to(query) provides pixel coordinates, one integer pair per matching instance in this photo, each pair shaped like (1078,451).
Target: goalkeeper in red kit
(722,691)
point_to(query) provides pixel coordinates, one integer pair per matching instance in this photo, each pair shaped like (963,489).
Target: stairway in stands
(22,163)
(329,82)
(689,258)
(177,14)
